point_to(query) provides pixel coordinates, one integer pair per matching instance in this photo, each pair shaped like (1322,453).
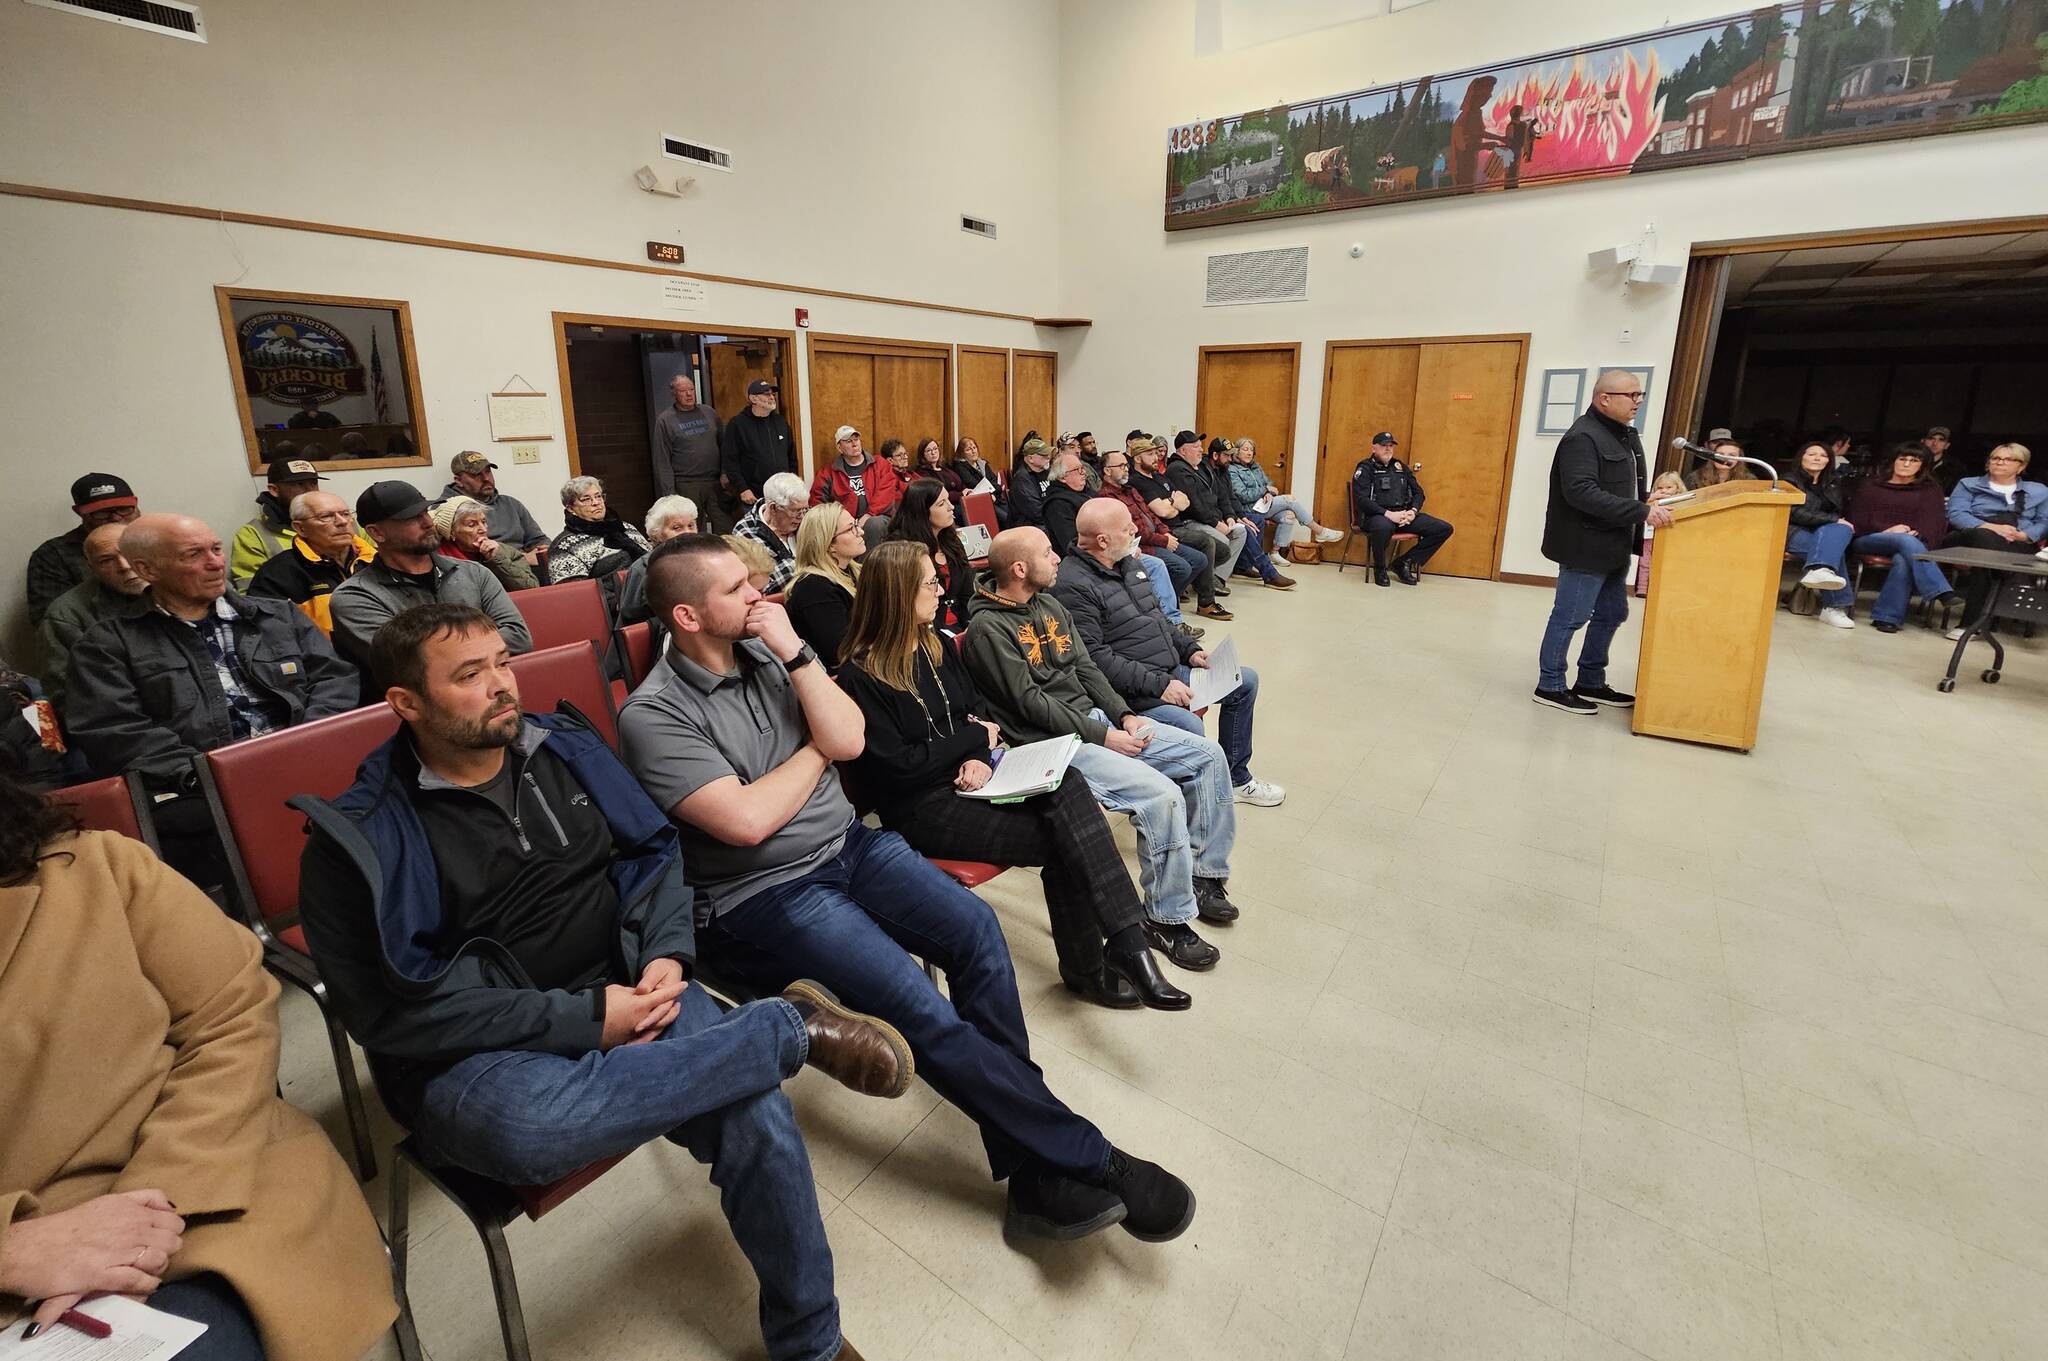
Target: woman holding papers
(144,1150)
(926,748)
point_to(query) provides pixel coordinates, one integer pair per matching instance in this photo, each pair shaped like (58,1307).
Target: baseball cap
(284,470)
(390,501)
(1385,437)
(1185,438)
(97,491)
(843,434)
(1034,446)
(759,386)
(1719,433)
(468,461)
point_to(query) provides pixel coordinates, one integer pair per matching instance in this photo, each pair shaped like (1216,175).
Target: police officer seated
(1388,499)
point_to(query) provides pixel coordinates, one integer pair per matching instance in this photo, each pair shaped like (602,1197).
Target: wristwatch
(804,657)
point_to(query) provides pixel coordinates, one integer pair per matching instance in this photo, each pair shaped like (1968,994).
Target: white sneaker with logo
(1822,579)
(1328,535)
(1837,619)
(1259,793)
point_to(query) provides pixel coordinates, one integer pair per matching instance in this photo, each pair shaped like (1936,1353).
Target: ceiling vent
(697,153)
(161,16)
(1258,276)
(977,226)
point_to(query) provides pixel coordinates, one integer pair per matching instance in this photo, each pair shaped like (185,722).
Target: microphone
(1700,451)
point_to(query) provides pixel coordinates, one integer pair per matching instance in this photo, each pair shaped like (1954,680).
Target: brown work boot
(857,1051)
(1212,610)
(1280,583)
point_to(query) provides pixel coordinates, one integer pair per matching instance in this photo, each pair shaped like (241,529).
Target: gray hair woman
(594,541)
(669,517)
(460,522)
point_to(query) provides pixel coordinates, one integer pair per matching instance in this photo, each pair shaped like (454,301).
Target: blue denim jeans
(1234,729)
(1165,586)
(1826,547)
(1906,578)
(207,1298)
(712,1083)
(1594,601)
(853,924)
(1290,519)
(1252,557)
(1178,795)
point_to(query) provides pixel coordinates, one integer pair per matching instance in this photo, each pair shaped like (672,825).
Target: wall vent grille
(157,16)
(978,226)
(715,158)
(1258,276)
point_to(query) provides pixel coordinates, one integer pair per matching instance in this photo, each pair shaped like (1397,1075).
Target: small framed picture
(1560,400)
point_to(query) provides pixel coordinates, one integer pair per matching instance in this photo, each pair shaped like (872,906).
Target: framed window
(323,378)
(1645,373)
(1560,400)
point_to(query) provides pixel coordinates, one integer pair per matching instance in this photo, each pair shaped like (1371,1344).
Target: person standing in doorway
(757,444)
(1593,526)
(686,452)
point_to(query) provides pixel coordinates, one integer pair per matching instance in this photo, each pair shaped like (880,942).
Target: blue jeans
(1594,601)
(1165,585)
(1178,795)
(1906,578)
(853,924)
(1235,728)
(1827,547)
(1252,557)
(206,1298)
(712,1083)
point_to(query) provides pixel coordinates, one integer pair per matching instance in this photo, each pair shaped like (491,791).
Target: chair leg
(351,1091)
(1344,552)
(397,1231)
(511,1318)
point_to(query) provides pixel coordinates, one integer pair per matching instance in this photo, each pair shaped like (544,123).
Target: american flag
(377,383)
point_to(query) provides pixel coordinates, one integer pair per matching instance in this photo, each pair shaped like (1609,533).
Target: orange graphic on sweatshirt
(1035,643)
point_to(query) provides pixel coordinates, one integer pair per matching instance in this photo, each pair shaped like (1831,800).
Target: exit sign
(664,252)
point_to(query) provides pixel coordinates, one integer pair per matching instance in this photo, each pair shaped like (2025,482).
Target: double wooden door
(883,388)
(1250,390)
(1454,404)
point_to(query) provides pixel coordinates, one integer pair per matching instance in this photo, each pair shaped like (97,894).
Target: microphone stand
(1700,454)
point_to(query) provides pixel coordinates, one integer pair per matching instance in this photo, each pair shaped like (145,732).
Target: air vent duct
(697,153)
(1258,276)
(157,16)
(977,226)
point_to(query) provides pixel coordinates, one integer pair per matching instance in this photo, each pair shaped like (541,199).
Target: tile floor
(1536,1040)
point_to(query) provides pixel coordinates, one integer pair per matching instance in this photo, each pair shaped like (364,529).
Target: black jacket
(1118,617)
(1225,491)
(1376,490)
(908,755)
(752,449)
(1596,513)
(1204,505)
(1827,497)
(1027,498)
(1062,505)
(1158,489)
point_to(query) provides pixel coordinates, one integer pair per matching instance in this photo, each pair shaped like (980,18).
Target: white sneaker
(1328,535)
(1837,619)
(1259,793)
(1822,579)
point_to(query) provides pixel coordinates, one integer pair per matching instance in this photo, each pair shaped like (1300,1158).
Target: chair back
(980,509)
(568,612)
(115,804)
(570,672)
(246,786)
(638,646)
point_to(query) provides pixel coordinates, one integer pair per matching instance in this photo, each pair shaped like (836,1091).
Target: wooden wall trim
(1871,236)
(295,224)
(1526,579)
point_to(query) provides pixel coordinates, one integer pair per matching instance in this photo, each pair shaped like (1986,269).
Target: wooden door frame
(1293,349)
(1507,474)
(1009,394)
(791,409)
(1016,422)
(826,342)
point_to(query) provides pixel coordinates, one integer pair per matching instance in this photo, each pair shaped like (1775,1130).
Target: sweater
(1034,672)
(1880,505)
(908,755)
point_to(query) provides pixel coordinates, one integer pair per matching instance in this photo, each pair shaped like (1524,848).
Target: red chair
(246,785)
(570,672)
(115,804)
(979,508)
(570,612)
(637,647)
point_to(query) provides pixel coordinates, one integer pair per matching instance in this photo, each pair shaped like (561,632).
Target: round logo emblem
(293,359)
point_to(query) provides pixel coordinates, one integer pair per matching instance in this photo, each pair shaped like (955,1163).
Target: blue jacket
(409,1006)
(1973,502)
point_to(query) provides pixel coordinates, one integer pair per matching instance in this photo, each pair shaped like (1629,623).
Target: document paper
(1216,680)
(140,1334)
(1030,769)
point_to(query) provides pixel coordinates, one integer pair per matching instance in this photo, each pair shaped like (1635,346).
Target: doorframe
(1293,349)
(827,342)
(1016,419)
(1507,473)
(1009,394)
(791,409)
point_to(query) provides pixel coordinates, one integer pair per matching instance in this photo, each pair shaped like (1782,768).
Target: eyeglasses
(2002,458)
(844,530)
(1625,396)
(592,498)
(932,584)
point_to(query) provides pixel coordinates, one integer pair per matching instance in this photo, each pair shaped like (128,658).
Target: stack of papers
(1034,768)
(1213,682)
(140,1333)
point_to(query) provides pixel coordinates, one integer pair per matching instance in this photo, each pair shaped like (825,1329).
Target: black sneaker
(1211,904)
(1567,701)
(1047,1204)
(1601,694)
(1380,578)
(1159,1205)
(1180,944)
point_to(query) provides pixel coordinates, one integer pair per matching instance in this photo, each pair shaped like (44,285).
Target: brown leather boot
(857,1051)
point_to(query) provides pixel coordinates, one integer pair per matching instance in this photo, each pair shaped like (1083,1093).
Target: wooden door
(842,393)
(1034,388)
(1463,448)
(910,399)
(1250,390)
(735,363)
(885,389)
(985,401)
(1366,389)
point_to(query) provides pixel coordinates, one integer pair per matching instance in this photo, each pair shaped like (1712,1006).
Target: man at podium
(1594,524)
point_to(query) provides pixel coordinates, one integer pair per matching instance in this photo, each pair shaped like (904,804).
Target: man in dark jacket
(58,564)
(1389,500)
(408,572)
(500,917)
(1065,494)
(1028,483)
(111,589)
(1210,503)
(755,445)
(1103,585)
(1594,524)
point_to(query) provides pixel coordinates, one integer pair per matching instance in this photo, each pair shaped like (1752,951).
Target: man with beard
(409,572)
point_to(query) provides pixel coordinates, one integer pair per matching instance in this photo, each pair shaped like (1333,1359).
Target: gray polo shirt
(685,727)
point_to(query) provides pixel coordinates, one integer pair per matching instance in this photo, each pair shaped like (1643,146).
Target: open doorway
(615,375)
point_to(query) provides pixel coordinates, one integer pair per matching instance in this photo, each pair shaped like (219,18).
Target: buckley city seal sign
(295,360)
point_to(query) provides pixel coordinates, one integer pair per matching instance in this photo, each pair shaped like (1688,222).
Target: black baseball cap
(97,491)
(759,386)
(1185,438)
(1385,437)
(389,501)
(283,470)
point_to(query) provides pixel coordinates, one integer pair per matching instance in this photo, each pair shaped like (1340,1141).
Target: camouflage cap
(1035,446)
(469,461)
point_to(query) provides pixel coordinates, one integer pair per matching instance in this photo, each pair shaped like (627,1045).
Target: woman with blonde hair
(820,599)
(926,747)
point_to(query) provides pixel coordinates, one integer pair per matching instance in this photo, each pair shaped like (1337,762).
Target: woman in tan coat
(144,1149)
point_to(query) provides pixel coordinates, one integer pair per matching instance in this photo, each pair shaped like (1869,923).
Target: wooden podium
(1714,575)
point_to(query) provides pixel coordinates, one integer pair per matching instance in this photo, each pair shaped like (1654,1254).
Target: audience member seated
(326,550)
(974,470)
(148,1152)
(409,570)
(926,746)
(828,544)
(110,588)
(1210,502)
(772,523)
(930,461)
(1028,477)
(1091,469)
(896,454)
(860,485)
(1821,530)
(31,738)
(1183,565)
(506,518)
(1389,500)
(59,564)
(1038,681)
(271,531)
(755,445)
(1714,471)
(1171,507)
(753,557)
(1130,641)
(669,516)
(1997,511)
(735,732)
(1290,518)
(525,999)
(595,540)
(463,526)
(1899,514)
(926,519)
(1066,491)
(1945,471)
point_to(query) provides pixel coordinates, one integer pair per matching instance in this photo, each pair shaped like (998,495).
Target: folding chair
(570,672)
(116,804)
